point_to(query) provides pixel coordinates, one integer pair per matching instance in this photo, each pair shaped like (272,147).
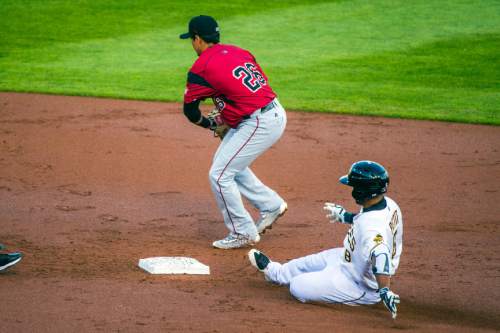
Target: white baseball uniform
(346,275)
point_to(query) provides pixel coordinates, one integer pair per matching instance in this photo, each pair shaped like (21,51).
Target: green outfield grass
(424,59)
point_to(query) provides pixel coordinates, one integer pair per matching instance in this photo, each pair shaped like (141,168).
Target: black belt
(268,107)
(263,110)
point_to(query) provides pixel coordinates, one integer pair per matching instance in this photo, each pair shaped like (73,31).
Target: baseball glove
(217,124)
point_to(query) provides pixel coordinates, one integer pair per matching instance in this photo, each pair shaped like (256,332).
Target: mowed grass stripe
(419,59)
(459,76)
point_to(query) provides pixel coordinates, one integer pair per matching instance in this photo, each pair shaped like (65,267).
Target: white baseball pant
(319,278)
(230,175)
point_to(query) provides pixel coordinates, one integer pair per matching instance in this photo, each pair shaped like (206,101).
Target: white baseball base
(173,265)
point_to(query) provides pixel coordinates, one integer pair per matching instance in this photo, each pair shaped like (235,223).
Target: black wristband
(349,217)
(206,123)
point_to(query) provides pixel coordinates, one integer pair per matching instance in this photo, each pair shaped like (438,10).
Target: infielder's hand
(217,124)
(390,300)
(336,213)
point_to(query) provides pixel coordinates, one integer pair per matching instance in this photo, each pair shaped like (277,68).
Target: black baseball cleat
(10,259)
(258,259)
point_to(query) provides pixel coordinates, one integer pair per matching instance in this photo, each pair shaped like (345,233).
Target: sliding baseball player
(360,271)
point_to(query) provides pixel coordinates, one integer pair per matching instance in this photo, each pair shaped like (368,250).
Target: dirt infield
(89,186)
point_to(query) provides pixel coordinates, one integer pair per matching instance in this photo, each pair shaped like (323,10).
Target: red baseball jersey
(232,78)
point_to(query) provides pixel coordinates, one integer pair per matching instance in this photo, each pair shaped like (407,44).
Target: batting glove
(390,300)
(336,213)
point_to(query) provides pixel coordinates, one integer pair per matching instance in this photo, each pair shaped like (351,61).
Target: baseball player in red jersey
(241,93)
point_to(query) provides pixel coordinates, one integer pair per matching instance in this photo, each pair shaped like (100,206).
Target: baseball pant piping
(218,179)
(230,176)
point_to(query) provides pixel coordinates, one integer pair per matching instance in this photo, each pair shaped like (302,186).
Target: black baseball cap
(204,26)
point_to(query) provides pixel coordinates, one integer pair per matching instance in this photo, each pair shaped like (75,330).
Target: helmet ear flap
(359,196)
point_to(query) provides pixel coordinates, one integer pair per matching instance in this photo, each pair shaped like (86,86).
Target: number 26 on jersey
(249,76)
